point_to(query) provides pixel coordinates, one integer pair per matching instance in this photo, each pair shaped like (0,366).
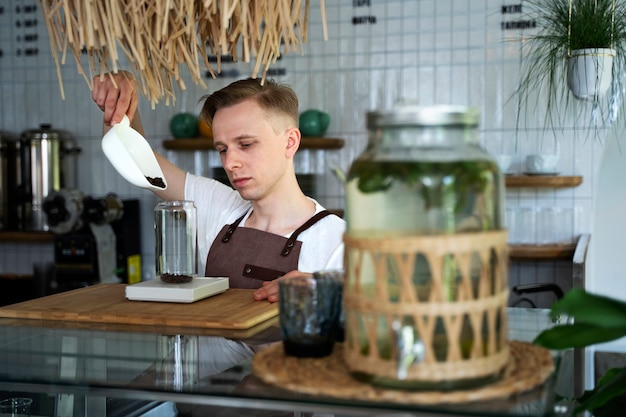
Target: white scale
(188,292)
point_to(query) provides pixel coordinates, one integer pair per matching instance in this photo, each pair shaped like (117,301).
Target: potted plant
(595,319)
(579,46)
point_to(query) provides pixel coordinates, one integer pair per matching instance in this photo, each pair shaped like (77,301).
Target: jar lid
(46,132)
(424,116)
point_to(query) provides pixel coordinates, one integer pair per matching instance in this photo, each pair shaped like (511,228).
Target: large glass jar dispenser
(425,253)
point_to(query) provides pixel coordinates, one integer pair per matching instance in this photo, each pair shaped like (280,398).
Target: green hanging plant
(596,319)
(566,26)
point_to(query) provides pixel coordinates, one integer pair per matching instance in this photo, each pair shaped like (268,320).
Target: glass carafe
(426,257)
(175,226)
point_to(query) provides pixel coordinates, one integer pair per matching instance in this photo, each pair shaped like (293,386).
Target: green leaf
(610,375)
(597,319)
(612,384)
(590,308)
(577,335)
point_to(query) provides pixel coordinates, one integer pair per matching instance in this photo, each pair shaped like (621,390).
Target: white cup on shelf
(542,163)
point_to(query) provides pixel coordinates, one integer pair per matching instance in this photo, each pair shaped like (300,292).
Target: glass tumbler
(309,313)
(175,226)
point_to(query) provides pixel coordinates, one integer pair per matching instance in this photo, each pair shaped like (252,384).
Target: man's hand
(116,95)
(269,290)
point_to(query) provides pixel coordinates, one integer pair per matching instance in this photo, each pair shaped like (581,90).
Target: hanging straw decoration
(160,37)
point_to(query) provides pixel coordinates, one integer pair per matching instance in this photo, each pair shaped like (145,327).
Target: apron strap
(292,239)
(231,229)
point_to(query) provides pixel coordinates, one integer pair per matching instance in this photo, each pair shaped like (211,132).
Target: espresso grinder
(97,240)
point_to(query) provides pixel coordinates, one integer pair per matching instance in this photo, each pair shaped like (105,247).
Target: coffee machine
(96,240)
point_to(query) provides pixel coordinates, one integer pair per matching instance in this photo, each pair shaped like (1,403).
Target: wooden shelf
(537,252)
(542,181)
(15,277)
(205,143)
(26,236)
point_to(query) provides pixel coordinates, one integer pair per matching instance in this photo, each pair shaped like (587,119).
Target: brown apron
(252,256)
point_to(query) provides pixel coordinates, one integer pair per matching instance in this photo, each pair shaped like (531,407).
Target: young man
(266,227)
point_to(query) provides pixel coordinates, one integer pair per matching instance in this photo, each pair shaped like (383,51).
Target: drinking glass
(310,311)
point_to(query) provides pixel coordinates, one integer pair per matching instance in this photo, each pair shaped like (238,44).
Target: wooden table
(233,313)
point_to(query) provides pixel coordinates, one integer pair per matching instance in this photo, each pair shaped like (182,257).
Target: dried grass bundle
(159,37)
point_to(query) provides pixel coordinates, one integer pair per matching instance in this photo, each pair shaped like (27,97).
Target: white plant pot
(589,72)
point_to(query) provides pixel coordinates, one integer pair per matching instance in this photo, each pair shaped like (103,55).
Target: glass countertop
(215,371)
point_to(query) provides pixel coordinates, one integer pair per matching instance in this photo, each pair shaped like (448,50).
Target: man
(266,227)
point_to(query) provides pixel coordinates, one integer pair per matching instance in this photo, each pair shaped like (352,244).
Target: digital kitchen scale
(188,292)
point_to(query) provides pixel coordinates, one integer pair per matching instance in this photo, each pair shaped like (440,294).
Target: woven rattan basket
(456,310)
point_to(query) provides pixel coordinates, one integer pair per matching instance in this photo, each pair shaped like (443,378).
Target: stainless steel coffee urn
(48,163)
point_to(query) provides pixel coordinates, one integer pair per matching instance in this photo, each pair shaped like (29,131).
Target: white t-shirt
(218,205)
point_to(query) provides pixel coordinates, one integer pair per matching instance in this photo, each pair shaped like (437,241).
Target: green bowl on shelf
(184,125)
(314,123)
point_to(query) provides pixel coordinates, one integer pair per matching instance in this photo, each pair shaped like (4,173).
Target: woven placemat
(529,366)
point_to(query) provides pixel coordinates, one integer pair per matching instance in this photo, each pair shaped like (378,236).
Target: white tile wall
(426,51)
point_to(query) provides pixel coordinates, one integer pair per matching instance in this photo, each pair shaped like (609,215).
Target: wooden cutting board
(106,303)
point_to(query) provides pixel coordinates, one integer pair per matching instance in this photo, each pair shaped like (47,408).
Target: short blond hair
(270,95)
